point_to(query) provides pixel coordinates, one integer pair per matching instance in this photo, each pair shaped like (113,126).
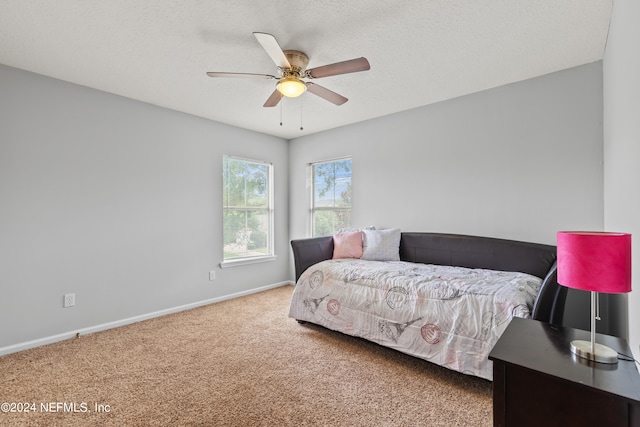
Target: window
(331,196)
(247,210)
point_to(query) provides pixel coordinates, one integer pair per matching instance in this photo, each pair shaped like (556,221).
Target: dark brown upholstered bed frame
(464,251)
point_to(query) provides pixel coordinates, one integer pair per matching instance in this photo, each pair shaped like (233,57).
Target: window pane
(332,183)
(246,184)
(246,233)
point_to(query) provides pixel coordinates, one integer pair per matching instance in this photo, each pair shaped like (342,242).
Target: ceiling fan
(292,69)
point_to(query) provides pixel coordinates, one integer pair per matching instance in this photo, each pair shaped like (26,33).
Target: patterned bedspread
(451,316)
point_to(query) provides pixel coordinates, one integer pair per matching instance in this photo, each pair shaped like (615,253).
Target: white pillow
(381,245)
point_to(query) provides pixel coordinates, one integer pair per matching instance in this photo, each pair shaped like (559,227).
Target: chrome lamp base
(598,352)
(591,350)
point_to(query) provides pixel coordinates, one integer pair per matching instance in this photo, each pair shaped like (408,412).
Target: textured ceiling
(420,51)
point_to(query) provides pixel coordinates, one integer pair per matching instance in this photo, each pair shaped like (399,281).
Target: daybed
(447,300)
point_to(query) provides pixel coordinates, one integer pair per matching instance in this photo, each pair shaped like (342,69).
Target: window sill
(247,261)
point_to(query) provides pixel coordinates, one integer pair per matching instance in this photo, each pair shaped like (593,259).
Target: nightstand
(537,381)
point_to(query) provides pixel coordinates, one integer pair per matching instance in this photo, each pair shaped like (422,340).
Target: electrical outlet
(212,275)
(69,300)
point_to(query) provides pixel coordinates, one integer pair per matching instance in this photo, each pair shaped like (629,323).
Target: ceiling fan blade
(270,44)
(274,99)
(344,67)
(240,75)
(325,93)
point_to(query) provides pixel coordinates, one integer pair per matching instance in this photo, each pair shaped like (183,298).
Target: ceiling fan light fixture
(291,87)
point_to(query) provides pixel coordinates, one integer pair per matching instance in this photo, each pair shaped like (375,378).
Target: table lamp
(597,262)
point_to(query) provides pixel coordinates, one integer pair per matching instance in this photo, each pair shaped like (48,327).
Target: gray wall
(622,141)
(520,161)
(119,202)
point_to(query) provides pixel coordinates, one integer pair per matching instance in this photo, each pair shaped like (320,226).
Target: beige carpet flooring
(240,362)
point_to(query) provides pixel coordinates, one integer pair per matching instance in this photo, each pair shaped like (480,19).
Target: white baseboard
(110,325)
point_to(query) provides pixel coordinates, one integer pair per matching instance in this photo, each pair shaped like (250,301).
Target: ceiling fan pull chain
(281,110)
(301,128)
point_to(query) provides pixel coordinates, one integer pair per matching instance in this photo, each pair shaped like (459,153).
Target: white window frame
(312,208)
(252,259)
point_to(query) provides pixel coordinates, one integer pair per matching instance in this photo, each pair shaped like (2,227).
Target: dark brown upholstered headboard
(464,251)
(477,252)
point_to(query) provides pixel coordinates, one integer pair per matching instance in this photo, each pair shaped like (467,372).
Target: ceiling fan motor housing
(297,59)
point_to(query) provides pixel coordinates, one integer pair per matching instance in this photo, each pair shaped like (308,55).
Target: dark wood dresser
(537,381)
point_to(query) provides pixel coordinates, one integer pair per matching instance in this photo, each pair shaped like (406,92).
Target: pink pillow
(347,245)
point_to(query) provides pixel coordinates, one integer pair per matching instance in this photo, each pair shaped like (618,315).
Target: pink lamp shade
(594,261)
